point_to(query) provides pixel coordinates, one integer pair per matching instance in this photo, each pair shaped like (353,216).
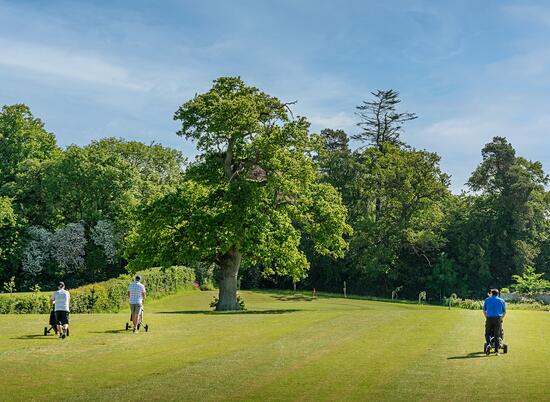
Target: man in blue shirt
(494,310)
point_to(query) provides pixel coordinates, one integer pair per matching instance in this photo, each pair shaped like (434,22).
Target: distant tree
(338,165)
(9,235)
(414,191)
(443,277)
(103,235)
(159,168)
(22,138)
(87,184)
(25,148)
(335,140)
(516,208)
(68,247)
(249,197)
(380,120)
(36,253)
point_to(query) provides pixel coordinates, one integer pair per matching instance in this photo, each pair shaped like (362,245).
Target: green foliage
(9,235)
(91,183)
(469,304)
(443,277)
(22,139)
(9,286)
(108,296)
(251,196)
(515,208)
(530,283)
(396,198)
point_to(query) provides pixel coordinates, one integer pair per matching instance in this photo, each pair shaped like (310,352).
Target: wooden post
(294,285)
(345,295)
(314,293)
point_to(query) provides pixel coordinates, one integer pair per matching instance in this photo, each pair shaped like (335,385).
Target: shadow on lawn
(35,336)
(473,355)
(297,297)
(211,312)
(109,331)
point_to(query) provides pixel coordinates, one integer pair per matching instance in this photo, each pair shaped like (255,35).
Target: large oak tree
(250,196)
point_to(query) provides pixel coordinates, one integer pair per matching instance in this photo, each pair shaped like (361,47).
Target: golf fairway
(285,347)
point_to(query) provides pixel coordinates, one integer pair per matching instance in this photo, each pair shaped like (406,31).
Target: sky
(471,70)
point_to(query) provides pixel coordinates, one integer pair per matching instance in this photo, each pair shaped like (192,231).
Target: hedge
(478,305)
(104,297)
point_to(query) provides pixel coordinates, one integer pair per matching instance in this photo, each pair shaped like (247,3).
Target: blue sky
(470,69)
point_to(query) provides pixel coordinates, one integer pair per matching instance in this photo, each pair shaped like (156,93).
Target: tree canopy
(251,195)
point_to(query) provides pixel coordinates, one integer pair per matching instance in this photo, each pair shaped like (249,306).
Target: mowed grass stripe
(92,364)
(239,372)
(356,369)
(457,370)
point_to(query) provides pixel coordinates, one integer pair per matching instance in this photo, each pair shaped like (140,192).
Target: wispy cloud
(65,63)
(341,120)
(531,12)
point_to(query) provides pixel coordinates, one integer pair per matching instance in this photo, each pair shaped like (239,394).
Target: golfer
(136,295)
(61,299)
(494,310)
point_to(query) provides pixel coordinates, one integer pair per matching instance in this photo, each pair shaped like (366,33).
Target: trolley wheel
(505,348)
(139,325)
(127,326)
(146,328)
(45,331)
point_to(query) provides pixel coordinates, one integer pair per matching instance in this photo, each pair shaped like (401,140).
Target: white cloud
(339,120)
(65,63)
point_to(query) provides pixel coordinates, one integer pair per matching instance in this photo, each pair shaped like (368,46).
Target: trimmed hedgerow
(104,297)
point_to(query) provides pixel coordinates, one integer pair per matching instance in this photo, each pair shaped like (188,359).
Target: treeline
(410,233)
(66,213)
(84,212)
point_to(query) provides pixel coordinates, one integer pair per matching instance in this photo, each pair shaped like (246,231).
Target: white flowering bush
(68,247)
(103,235)
(37,251)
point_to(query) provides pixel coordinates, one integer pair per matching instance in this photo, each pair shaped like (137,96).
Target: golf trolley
(501,344)
(53,325)
(139,323)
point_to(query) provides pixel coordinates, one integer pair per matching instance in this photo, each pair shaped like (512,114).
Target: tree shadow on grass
(298,297)
(473,355)
(35,336)
(211,312)
(110,331)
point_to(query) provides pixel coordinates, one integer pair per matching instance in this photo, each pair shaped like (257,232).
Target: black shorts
(62,317)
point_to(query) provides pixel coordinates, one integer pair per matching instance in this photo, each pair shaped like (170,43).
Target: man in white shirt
(61,299)
(136,295)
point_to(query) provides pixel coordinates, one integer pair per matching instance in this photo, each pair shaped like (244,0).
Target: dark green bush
(103,297)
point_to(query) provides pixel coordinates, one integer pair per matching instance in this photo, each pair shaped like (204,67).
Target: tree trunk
(229,268)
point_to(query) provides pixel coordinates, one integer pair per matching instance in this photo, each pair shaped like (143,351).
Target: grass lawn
(284,348)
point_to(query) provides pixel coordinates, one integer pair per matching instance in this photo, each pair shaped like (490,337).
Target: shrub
(530,283)
(207,286)
(464,303)
(102,297)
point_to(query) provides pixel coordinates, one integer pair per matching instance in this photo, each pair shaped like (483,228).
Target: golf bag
(53,324)
(496,343)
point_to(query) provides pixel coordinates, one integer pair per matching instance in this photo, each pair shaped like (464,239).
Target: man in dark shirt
(494,310)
